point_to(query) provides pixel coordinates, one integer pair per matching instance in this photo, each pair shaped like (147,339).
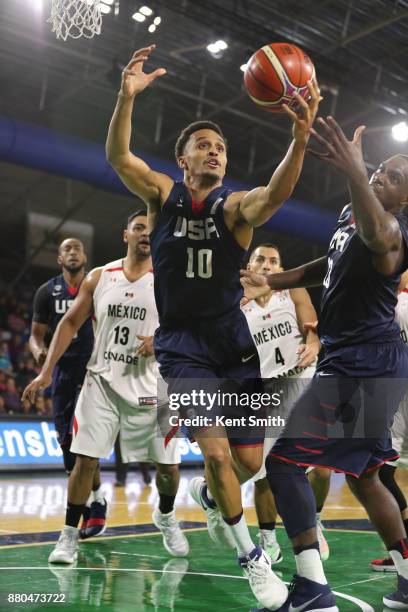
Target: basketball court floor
(128,570)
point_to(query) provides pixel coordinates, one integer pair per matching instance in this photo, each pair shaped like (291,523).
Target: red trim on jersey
(113,269)
(72,290)
(308,450)
(311,435)
(315,465)
(197,207)
(75,425)
(93,318)
(170,435)
(404,290)
(331,467)
(317,420)
(328,406)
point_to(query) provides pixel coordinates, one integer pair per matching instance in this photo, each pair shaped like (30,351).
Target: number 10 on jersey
(199,263)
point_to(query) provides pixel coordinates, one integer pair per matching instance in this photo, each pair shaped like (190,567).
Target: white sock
(70,529)
(400,563)
(309,565)
(97,496)
(241,537)
(317,516)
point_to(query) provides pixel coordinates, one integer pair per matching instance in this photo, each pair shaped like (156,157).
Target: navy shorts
(66,384)
(342,420)
(222,355)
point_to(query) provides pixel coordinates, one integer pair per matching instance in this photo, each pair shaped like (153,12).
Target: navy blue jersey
(358,303)
(51,302)
(196,260)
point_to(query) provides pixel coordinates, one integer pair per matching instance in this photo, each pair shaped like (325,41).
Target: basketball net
(76,18)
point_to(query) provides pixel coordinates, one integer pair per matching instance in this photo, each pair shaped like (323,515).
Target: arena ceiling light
(146,11)
(157,21)
(152,28)
(217,48)
(139,17)
(400,131)
(243,67)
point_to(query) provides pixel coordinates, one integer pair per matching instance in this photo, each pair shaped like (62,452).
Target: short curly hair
(194,127)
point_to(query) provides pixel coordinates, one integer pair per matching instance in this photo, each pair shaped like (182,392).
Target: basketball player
(363,355)
(399,434)
(286,350)
(51,302)
(199,235)
(120,387)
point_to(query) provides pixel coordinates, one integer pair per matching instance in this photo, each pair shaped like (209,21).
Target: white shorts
(399,434)
(295,387)
(100,414)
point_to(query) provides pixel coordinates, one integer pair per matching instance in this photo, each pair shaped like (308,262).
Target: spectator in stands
(26,372)
(2,382)
(16,349)
(2,406)
(27,408)
(12,397)
(5,361)
(40,408)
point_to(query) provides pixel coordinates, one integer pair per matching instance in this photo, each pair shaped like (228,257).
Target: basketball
(275,72)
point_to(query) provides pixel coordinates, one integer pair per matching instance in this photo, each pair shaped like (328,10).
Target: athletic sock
(308,563)
(73,514)
(399,554)
(166,503)
(267,526)
(240,534)
(97,496)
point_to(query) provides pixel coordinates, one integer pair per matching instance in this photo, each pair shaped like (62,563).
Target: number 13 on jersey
(199,263)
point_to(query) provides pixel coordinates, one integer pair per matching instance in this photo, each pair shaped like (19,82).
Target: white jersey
(276,334)
(122,311)
(401,314)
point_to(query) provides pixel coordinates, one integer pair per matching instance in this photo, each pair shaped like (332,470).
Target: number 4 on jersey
(279,357)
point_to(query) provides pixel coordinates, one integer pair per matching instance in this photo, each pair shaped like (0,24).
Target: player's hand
(255,285)
(307,354)
(134,80)
(305,114)
(345,155)
(40,383)
(146,348)
(41,357)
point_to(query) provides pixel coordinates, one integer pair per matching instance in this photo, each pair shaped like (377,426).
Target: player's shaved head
(71,255)
(67,241)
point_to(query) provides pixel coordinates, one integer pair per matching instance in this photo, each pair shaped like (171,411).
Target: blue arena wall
(32,444)
(57,153)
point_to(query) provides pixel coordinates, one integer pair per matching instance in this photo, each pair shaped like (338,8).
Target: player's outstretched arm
(377,228)
(66,329)
(258,205)
(305,312)
(152,187)
(309,275)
